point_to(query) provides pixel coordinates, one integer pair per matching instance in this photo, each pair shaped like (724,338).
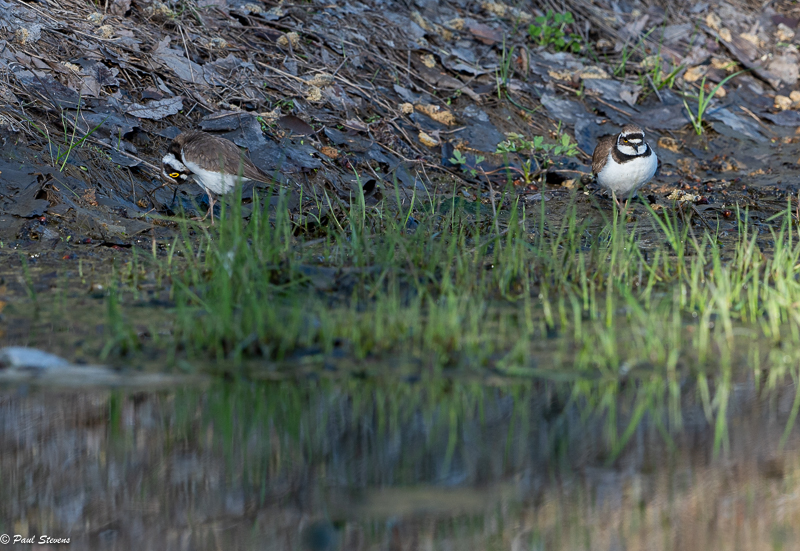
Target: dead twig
(494,207)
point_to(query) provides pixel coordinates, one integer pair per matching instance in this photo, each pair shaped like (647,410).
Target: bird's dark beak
(167,179)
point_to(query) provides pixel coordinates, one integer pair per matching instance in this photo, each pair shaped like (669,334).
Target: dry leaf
(593,72)
(723,63)
(630,95)
(784,33)
(158,109)
(330,152)
(522,62)
(186,69)
(782,102)
(356,124)
(456,24)
(437,113)
(289,38)
(159,10)
(680,195)
(785,68)
(295,125)
(501,10)
(665,142)
(694,74)
(427,140)
(320,80)
(314,94)
(417,18)
(752,39)
(486,34)
(560,75)
(105,31)
(90,197)
(687,165)
(713,21)
(119,7)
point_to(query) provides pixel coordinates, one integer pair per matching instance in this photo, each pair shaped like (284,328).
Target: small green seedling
(517,143)
(459,159)
(703,100)
(627,53)
(549,29)
(59,156)
(659,78)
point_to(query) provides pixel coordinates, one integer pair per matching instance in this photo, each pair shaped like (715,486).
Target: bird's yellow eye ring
(174,174)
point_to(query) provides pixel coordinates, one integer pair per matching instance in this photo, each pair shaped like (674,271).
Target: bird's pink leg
(210,210)
(211,207)
(623,210)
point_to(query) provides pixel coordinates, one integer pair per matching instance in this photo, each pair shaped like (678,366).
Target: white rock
(20,356)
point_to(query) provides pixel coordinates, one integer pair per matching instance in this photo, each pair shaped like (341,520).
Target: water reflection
(371,465)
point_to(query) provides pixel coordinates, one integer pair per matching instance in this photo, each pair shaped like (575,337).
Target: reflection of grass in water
(329,448)
(326,447)
(538,298)
(268,431)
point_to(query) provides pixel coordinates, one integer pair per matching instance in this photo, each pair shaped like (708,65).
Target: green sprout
(549,29)
(703,100)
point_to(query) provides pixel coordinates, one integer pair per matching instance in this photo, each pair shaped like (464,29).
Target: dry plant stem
(409,141)
(655,88)
(598,17)
(630,115)
(757,119)
(186,49)
(702,219)
(582,172)
(494,207)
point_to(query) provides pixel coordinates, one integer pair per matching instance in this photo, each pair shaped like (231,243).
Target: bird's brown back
(216,154)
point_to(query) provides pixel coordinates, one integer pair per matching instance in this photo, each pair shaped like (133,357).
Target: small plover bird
(624,162)
(215,163)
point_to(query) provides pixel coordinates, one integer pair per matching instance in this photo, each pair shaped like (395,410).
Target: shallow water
(381,465)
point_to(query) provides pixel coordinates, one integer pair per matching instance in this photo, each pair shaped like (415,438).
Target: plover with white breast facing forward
(624,162)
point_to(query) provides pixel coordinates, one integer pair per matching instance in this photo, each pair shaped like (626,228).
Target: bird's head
(173,170)
(631,140)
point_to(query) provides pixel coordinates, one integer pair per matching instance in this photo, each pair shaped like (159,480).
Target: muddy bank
(380,99)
